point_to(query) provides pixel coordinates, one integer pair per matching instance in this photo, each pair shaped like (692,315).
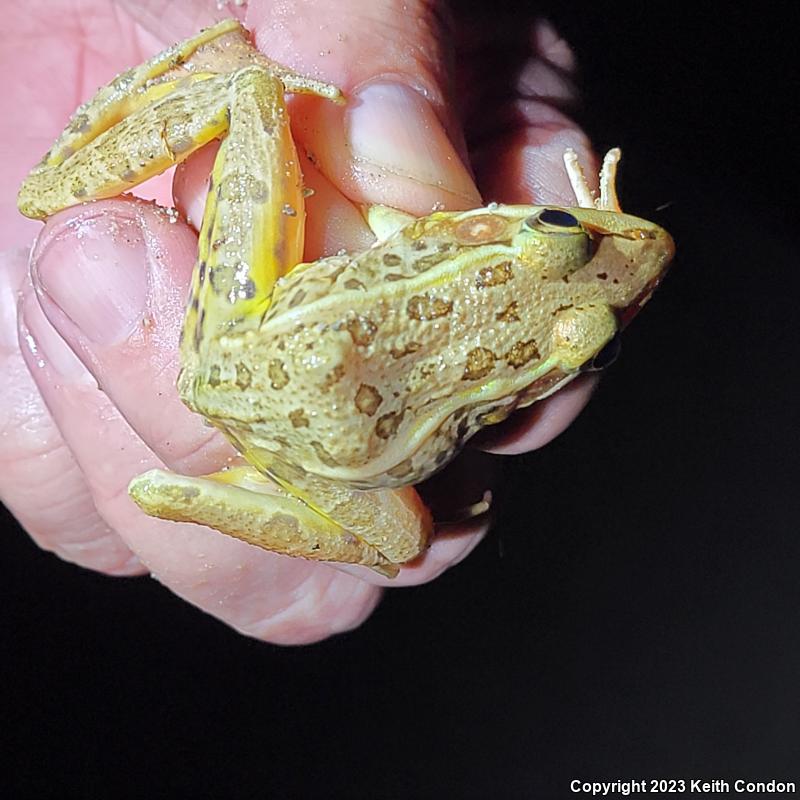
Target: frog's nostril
(594,240)
(607,356)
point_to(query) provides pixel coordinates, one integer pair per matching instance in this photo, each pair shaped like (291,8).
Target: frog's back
(373,370)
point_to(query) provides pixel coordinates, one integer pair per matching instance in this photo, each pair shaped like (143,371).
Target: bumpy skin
(347,380)
(372,370)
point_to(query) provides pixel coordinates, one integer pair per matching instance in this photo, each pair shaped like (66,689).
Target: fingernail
(392,127)
(95,270)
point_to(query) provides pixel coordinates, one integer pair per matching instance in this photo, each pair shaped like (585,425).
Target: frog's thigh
(141,145)
(278,523)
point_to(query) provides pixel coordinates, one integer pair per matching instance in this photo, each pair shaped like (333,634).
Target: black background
(636,611)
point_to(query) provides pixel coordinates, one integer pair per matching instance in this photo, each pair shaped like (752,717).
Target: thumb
(393,142)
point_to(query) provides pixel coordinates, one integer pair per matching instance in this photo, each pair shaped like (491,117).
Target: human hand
(98,270)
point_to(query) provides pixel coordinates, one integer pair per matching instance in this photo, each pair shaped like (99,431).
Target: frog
(345,381)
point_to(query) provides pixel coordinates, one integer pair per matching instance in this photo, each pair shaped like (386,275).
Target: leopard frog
(345,381)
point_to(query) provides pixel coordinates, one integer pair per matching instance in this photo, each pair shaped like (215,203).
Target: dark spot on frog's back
(510,313)
(277,374)
(426,307)
(198,328)
(401,470)
(480,362)
(367,400)
(214,376)
(442,456)
(334,276)
(362,330)
(426,262)
(521,353)
(298,418)
(392,259)
(494,275)
(387,425)
(407,349)
(297,298)
(243,376)
(333,377)
(216,279)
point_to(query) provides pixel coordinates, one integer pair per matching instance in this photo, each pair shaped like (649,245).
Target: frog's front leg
(242,503)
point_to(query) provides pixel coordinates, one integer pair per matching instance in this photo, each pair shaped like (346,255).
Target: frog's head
(606,265)
(623,256)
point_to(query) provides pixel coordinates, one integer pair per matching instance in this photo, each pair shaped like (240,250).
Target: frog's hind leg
(131,91)
(254,219)
(139,146)
(239,502)
(149,118)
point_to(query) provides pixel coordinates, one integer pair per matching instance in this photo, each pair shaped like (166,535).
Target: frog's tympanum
(344,381)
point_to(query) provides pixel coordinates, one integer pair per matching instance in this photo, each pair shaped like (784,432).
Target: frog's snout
(657,264)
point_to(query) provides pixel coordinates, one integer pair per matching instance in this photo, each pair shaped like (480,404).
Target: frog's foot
(241,503)
(608,200)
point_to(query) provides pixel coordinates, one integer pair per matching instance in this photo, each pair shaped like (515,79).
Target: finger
(40,482)
(259,593)
(396,140)
(112,279)
(172,22)
(517,150)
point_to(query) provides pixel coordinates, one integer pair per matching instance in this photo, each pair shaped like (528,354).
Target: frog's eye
(555,220)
